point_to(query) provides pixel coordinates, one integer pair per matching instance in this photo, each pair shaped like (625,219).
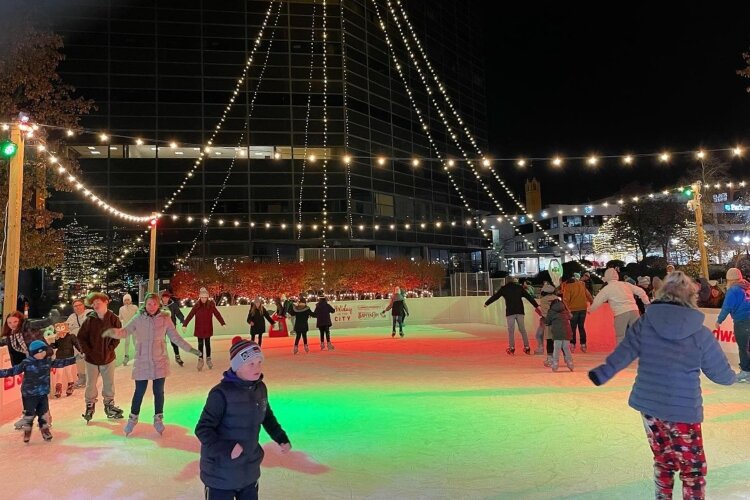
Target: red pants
(677,447)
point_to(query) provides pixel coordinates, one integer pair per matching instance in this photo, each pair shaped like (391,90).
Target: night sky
(573,80)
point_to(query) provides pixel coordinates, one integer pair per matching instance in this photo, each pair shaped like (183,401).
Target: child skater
(399,311)
(673,347)
(204,311)
(301,314)
(256,318)
(558,319)
(148,328)
(547,298)
(35,386)
(322,313)
(65,343)
(230,423)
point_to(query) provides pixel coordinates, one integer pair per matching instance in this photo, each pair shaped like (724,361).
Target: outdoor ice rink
(441,414)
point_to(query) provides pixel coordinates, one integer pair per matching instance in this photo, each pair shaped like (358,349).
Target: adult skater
(204,311)
(148,328)
(673,347)
(301,313)
(737,305)
(127,311)
(513,293)
(74,322)
(322,313)
(399,311)
(620,294)
(577,298)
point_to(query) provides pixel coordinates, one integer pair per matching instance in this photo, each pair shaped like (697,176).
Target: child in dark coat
(229,426)
(301,313)
(35,386)
(256,318)
(65,343)
(558,319)
(323,311)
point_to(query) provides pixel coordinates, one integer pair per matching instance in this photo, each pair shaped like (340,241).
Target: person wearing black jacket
(322,313)
(256,318)
(174,310)
(301,313)
(230,423)
(513,293)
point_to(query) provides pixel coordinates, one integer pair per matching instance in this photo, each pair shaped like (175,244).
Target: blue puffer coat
(36,374)
(673,347)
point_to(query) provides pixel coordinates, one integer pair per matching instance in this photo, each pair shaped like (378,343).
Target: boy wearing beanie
(229,425)
(35,387)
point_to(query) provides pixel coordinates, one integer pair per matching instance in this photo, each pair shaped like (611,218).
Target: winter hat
(37,346)
(577,276)
(734,274)
(547,288)
(127,297)
(203,292)
(611,275)
(644,281)
(243,351)
(165,293)
(90,298)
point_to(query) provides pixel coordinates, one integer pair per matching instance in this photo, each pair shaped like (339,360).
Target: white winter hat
(611,274)
(644,281)
(127,297)
(734,274)
(203,292)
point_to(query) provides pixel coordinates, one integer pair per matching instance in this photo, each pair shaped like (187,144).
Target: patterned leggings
(677,446)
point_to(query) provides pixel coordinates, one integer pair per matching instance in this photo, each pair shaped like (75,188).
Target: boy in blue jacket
(737,305)
(673,348)
(35,386)
(229,426)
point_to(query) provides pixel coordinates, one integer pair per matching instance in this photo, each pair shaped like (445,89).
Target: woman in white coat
(148,328)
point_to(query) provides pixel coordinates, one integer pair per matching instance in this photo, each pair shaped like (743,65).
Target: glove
(196,352)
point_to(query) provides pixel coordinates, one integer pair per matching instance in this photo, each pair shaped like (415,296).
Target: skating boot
(89,414)
(209,363)
(401,333)
(548,361)
(510,351)
(570,365)
(322,346)
(70,389)
(58,390)
(179,360)
(330,347)
(200,363)
(48,418)
(572,348)
(159,423)
(112,411)
(46,434)
(554,367)
(27,429)
(295,350)
(393,335)
(527,350)
(539,350)
(307,349)
(125,360)
(583,348)
(20,422)
(132,421)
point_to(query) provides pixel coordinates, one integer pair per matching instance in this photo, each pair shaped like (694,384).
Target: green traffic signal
(8,149)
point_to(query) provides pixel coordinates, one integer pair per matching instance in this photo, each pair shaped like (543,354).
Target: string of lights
(346,117)
(307,115)
(325,145)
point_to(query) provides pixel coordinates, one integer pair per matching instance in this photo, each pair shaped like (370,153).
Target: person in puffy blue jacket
(737,305)
(673,347)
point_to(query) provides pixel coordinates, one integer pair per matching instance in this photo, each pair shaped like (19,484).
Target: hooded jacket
(323,311)
(736,302)
(301,314)
(619,294)
(98,350)
(36,374)
(558,318)
(151,361)
(673,348)
(397,306)
(576,296)
(234,411)
(513,293)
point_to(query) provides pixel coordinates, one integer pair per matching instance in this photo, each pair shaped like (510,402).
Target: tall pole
(152,256)
(15,197)
(699,227)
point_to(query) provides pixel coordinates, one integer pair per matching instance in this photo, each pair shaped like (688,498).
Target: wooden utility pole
(15,198)
(152,256)
(697,187)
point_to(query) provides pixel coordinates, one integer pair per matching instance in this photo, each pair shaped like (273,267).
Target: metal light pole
(152,256)
(15,196)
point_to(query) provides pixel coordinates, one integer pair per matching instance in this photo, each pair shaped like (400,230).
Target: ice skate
(125,360)
(112,411)
(322,346)
(46,434)
(295,350)
(583,348)
(27,432)
(393,335)
(70,389)
(209,363)
(548,361)
(539,350)
(20,423)
(159,423)
(743,376)
(81,383)
(570,365)
(58,390)
(572,348)
(510,351)
(527,350)
(330,347)
(178,360)
(307,349)
(554,367)
(132,421)
(200,363)
(401,334)
(89,413)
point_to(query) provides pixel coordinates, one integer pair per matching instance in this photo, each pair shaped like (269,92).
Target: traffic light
(8,149)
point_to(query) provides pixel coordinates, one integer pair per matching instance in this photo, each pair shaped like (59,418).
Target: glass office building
(165,71)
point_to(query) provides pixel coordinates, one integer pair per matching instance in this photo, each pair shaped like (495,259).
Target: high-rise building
(164,71)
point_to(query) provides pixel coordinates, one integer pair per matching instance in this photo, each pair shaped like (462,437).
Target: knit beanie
(243,351)
(644,281)
(37,346)
(734,274)
(611,275)
(127,297)
(203,292)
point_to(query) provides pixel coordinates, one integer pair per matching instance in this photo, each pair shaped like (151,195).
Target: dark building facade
(165,70)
